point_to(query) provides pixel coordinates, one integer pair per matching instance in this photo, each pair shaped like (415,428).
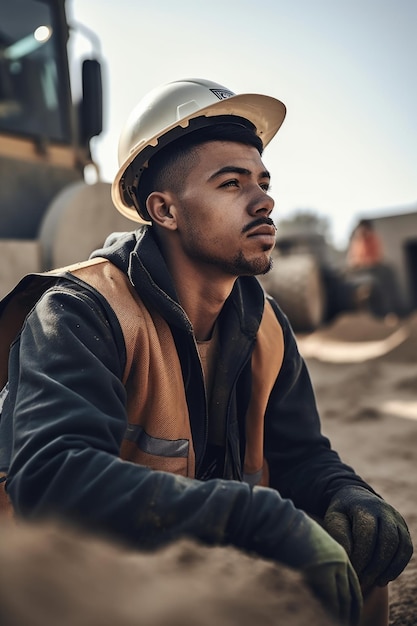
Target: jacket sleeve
(68,407)
(302,464)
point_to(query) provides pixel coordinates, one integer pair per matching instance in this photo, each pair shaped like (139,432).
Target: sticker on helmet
(222,94)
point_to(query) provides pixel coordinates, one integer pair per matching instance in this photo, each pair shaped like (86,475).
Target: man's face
(223,211)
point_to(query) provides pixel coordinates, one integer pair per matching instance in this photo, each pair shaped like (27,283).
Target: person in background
(365,246)
(157,392)
(365,260)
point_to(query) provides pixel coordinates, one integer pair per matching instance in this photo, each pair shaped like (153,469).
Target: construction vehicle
(51,106)
(307,279)
(312,284)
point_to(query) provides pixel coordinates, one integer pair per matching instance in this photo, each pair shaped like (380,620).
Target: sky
(345,69)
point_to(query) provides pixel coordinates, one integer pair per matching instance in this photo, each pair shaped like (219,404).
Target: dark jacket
(68,405)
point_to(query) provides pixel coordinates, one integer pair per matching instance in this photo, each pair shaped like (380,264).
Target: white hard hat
(171,106)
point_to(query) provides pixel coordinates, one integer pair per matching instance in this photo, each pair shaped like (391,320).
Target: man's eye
(265,186)
(230,183)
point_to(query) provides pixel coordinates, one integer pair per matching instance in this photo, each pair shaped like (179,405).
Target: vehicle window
(29,71)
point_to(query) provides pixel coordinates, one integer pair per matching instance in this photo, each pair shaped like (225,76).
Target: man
(156,392)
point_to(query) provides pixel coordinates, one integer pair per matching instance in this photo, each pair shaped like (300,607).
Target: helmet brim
(264,112)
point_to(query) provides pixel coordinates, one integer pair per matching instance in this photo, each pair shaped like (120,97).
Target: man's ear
(162,209)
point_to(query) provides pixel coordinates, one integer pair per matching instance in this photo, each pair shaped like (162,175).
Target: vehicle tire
(296,283)
(78,221)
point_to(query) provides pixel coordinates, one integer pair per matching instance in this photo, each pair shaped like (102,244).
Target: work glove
(325,566)
(328,571)
(372,532)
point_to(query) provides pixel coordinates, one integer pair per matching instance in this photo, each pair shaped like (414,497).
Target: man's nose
(262,203)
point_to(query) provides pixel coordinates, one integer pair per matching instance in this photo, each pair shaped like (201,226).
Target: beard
(237,266)
(240,266)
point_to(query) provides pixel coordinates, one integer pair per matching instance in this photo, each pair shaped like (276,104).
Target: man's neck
(202,290)
(202,300)
(202,296)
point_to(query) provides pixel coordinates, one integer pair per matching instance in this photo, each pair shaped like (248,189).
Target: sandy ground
(365,375)
(364,372)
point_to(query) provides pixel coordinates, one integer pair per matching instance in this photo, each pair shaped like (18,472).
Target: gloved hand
(326,568)
(373,533)
(274,528)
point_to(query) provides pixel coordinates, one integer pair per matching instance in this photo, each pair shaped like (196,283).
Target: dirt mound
(360,326)
(356,337)
(52,576)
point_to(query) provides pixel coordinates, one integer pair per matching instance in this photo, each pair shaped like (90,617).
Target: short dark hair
(178,156)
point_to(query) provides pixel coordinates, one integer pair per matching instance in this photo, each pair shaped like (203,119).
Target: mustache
(258,222)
